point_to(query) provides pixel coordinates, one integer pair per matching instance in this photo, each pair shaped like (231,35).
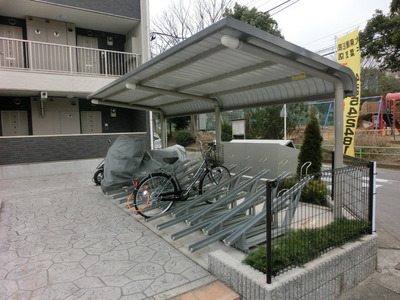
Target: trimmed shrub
(286,184)
(298,247)
(184,137)
(315,193)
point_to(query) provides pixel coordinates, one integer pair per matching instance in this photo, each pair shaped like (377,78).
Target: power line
(285,8)
(279,5)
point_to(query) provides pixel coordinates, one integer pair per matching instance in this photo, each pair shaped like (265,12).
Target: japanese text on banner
(348,54)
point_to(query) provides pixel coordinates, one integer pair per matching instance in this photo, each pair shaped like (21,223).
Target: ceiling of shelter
(231,65)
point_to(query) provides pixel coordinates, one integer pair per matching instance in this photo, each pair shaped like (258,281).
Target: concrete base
(48,168)
(324,278)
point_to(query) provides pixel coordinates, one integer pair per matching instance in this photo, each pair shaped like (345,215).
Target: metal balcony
(16,54)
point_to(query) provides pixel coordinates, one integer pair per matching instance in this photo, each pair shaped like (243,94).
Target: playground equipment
(384,113)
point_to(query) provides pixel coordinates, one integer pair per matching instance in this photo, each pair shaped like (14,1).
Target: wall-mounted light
(113,112)
(110,41)
(17,101)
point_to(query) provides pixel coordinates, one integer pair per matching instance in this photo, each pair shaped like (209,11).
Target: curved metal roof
(229,65)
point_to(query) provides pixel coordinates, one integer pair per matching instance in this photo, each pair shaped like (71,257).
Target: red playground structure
(383,114)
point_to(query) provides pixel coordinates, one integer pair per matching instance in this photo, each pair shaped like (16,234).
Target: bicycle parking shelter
(230,65)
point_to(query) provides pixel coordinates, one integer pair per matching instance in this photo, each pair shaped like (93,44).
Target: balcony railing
(65,59)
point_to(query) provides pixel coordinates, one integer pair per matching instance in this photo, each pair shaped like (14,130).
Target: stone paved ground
(60,238)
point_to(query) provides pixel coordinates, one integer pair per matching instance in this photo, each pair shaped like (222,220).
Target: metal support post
(338,154)
(164,137)
(218,124)
(372,195)
(339,95)
(268,245)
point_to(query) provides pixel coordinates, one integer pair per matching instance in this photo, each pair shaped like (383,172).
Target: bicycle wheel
(154,195)
(216,176)
(98,177)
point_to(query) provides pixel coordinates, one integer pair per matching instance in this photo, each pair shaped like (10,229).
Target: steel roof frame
(227,66)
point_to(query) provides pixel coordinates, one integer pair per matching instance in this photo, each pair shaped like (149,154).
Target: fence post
(268,246)
(372,195)
(333,177)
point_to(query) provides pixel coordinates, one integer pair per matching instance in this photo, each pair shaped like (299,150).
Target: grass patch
(298,247)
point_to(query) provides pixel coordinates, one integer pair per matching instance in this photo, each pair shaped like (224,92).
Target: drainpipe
(42,114)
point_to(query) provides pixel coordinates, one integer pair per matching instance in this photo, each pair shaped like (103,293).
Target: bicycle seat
(170,160)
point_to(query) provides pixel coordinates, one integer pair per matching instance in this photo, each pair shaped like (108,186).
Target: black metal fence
(320,212)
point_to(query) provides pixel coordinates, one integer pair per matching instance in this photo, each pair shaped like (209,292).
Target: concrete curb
(324,278)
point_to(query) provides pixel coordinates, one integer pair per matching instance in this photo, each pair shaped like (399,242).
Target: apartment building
(53,53)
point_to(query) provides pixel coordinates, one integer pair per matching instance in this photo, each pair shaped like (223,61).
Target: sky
(312,24)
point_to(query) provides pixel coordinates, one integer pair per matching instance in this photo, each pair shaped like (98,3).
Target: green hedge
(184,137)
(315,192)
(298,247)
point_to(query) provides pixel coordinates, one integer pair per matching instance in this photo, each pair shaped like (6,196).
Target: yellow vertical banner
(348,54)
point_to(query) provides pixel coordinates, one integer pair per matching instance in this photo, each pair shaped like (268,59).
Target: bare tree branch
(183,19)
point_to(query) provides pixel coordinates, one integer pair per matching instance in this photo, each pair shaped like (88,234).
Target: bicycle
(156,193)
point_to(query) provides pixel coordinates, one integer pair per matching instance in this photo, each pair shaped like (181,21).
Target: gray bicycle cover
(153,160)
(127,159)
(122,160)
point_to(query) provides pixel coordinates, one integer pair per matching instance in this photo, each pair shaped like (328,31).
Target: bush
(226,131)
(299,247)
(286,184)
(315,193)
(184,137)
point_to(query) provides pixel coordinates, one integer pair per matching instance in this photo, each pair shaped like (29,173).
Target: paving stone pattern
(60,238)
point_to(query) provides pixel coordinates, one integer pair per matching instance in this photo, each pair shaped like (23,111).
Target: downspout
(42,113)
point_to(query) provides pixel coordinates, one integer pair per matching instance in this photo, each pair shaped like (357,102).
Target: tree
(264,122)
(381,38)
(297,113)
(375,82)
(311,150)
(183,19)
(255,18)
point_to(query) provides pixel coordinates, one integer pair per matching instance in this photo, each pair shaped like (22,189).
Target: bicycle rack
(199,201)
(216,191)
(235,194)
(246,236)
(212,213)
(238,217)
